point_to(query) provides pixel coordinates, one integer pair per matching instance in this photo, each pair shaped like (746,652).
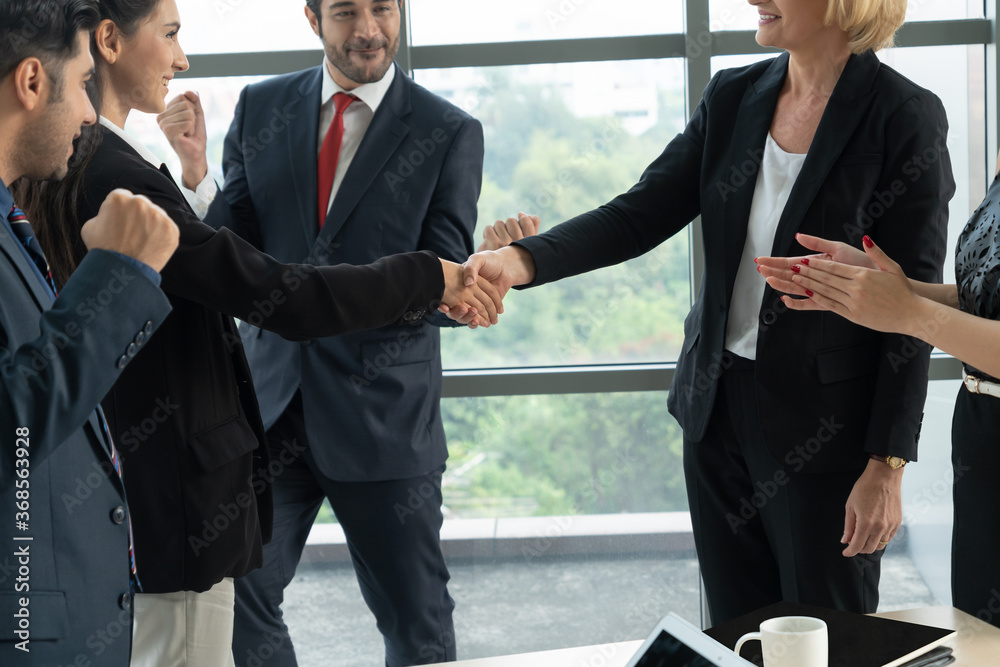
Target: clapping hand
(779,270)
(881,298)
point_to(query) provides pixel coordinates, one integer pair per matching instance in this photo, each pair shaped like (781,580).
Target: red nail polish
(796,268)
(868,242)
(809,293)
(805,261)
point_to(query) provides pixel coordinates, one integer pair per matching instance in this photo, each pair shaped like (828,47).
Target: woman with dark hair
(184,413)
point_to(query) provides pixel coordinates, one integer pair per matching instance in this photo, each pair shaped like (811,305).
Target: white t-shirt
(777,176)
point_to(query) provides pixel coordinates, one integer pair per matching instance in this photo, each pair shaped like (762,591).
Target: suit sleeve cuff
(201,198)
(141,267)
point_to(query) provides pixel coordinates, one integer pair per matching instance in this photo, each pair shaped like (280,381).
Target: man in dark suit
(399,170)
(65,589)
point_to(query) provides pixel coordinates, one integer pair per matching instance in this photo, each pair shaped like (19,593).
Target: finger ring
(883,541)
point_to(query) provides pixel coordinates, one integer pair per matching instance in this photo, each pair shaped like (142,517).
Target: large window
(566,515)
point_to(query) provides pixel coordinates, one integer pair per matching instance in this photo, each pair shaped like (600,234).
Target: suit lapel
(383,137)
(847,105)
(303,137)
(753,121)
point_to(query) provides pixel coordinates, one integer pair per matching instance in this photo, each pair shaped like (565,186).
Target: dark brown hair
(51,205)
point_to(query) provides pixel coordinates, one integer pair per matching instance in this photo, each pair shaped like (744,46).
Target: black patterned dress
(975,561)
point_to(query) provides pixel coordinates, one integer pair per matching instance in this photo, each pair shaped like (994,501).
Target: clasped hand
(476,304)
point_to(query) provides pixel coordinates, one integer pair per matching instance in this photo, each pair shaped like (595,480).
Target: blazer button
(118,515)
(122,361)
(769,318)
(125,601)
(148,328)
(140,338)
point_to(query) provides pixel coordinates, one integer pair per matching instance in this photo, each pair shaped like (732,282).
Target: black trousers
(975,546)
(393,534)
(764,532)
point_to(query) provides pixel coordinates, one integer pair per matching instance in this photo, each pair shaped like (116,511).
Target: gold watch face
(895,462)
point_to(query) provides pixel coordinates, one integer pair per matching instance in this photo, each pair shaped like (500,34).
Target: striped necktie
(22,230)
(25,234)
(116,463)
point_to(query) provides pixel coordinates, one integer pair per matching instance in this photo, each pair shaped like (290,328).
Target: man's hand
(132,225)
(778,270)
(183,123)
(476,304)
(874,510)
(504,268)
(504,232)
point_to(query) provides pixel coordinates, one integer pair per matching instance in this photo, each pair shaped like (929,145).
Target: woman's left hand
(878,299)
(874,510)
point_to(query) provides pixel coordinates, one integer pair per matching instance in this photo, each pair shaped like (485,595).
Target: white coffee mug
(791,641)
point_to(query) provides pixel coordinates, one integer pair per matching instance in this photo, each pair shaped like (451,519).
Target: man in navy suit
(399,169)
(65,587)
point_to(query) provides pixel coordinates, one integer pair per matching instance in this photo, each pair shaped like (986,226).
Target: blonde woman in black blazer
(791,458)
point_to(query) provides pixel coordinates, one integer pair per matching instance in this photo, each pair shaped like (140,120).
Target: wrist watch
(893,462)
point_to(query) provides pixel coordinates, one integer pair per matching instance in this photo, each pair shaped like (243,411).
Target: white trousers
(184,629)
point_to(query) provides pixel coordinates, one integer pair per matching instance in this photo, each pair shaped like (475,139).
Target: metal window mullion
(500,54)
(992,86)
(700,45)
(690,45)
(404,55)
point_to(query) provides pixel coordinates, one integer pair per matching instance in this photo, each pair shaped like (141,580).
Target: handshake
(474,291)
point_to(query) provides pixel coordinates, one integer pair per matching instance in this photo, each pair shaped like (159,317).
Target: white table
(977,644)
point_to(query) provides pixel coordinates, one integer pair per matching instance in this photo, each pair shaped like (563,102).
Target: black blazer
(371,399)
(828,391)
(56,362)
(184,412)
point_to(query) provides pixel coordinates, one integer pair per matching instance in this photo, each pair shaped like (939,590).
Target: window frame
(696,46)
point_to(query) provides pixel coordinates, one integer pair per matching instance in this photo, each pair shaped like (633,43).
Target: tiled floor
(528,605)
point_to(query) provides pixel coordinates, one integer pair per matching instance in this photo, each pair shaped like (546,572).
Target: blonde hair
(871,24)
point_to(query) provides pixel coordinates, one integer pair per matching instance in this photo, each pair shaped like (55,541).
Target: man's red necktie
(329,154)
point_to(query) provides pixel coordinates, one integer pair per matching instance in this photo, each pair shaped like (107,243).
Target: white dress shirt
(357,119)
(777,176)
(134,143)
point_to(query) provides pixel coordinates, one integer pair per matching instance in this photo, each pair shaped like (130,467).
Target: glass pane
(240,26)
(956,75)
(555,149)
(464,22)
(536,494)
(218,97)
(739,15)
(562,455)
